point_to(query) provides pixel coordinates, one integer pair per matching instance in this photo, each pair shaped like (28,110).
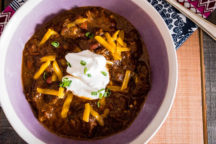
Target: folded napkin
(180,27)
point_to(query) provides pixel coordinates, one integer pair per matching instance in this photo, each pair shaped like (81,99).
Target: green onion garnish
(101,90)
(107,93)
(83,63)
(65,82)
(44,75)
(89,75)
(104,73)
(55,44)
(100,96)
(98,104)
(68,64)
(94,93)
(89,35)
(85,70)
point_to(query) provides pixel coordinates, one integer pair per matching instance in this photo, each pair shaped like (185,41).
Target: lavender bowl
(162,59)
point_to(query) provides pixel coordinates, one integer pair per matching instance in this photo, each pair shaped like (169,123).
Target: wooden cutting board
(184,124)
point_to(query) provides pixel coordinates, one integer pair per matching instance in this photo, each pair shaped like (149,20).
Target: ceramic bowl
(154,33)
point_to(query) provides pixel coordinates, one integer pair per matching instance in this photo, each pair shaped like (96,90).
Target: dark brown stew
(71,32)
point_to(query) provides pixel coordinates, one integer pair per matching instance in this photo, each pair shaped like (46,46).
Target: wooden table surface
(210,74)
(185,121)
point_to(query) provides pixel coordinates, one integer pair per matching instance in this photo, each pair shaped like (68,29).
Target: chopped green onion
(44,75)
(100,96)
(89,75)
(101,90)
(104,73)
(65,82)
(55,44)
(94,93)
(83,63)
(85,70)
(107,93)
(89,35)
(68,64)
(98,104)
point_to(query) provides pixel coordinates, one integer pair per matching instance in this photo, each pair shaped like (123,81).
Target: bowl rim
(158,119)
(168,100)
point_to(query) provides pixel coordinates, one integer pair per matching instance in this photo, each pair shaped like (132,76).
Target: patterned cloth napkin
(180,27)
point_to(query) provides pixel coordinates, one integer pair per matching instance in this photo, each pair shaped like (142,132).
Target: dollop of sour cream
(88,73)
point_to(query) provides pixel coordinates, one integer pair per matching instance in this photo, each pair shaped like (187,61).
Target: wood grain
(7,133)
(210,74)
(204,104)
(184,124)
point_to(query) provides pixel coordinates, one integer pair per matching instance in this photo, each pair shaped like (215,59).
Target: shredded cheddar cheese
(57,70)
(97,116)
(76,22)
(47,35)
(110,39)
(54,77)
(120,41)
(122,49)
(114,44)
(66,105)
(104,43)
(115,35)
(48,58)
(86,113)
(41,70)
(117,56)
(114,88)
(59,93)
(126,80)
(89,110)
